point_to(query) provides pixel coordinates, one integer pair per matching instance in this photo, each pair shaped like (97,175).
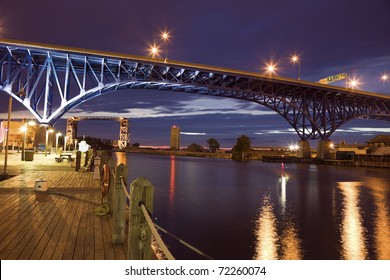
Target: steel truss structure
(124,135)
(51,80)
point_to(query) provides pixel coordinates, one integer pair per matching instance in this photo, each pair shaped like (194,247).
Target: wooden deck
(56,224)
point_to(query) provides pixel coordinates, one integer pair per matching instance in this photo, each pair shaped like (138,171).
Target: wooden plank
(24,249)
(99,242)
(82,230)
(89,253)
(24,225)
(37,251)
(107,239)
(59,251)
(64,212)
(15,223)
(10,205)
(70,246)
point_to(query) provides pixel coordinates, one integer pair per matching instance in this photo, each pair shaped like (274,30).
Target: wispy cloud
(184,108)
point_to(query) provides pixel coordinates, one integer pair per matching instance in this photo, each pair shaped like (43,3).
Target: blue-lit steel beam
(51,80)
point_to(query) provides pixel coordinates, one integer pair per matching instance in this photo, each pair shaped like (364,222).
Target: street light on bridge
(270,68)
(295,60)
(154,51)
(164,38)
(353,83)
(385,77)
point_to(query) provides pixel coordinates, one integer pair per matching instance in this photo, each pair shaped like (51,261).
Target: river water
(257,210)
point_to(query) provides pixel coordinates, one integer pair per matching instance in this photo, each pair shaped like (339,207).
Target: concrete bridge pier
(304,149)
(323,149)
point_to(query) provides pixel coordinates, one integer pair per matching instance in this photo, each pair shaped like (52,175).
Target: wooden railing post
(140,236)
(119,207)
(110,195)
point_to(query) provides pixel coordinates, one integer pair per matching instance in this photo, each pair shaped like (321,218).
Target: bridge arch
(51,80)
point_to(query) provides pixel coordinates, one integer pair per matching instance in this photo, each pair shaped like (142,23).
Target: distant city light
(31,123)
(293,147)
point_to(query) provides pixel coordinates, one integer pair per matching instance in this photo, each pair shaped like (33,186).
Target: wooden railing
(141,227)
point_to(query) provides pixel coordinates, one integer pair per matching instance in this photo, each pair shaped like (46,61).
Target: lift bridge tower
(124,129)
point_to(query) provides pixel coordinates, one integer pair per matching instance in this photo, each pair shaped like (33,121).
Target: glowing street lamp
(385,77)
(154,51)
(165,37)
(354,83)
(57,136)
(295,60)
(270,68)
(47,139)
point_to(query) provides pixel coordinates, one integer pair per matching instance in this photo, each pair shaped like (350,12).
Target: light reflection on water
(266,233)
(353,239)
(382,224)
(355,229)
(271,243)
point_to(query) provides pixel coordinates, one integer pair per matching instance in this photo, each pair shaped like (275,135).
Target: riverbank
(221,154)
(376,161)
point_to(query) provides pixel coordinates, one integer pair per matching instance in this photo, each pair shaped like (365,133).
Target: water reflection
(266,233)
(121,158)
(352,231)
(283,183)
(291,248)
(172,181)
(382,221)
(276,237)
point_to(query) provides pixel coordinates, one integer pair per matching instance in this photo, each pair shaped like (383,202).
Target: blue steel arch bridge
(51,80)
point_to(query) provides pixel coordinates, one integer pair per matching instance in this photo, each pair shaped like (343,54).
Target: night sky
(331,36)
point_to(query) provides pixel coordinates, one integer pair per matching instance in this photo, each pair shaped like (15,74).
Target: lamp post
(7,134)
(65,141)
(47,139)
(295,60)
(57,135)
(164,37)
(23,129)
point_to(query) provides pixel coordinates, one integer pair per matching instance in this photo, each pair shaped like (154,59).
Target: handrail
(159,241)
(150,223)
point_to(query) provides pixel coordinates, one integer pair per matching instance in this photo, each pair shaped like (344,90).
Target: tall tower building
(175,138)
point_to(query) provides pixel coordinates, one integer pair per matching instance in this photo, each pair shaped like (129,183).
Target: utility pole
(7,134)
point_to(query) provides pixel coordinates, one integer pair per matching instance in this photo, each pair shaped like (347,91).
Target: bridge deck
(57,224)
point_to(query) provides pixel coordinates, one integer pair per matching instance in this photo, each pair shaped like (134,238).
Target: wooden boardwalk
(57,224)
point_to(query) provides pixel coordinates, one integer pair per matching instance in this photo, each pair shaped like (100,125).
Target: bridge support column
(323,149)
(304,149)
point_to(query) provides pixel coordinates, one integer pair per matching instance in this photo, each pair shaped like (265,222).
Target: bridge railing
(141,227)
